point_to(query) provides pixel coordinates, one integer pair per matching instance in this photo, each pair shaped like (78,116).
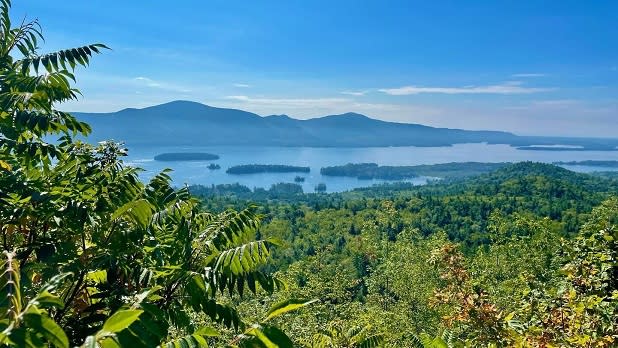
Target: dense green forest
(523,256)
(369,171)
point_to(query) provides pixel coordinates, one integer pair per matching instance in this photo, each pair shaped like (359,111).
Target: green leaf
(48,328)
(98,276)
(416,342)
(140,210)
(265,336)
(433,342)
(207,331)
(46,299)
(121,320)
(372,341)
(277,337)
(287,306)
(190,341)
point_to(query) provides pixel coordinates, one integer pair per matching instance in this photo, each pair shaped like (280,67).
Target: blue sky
(531,67)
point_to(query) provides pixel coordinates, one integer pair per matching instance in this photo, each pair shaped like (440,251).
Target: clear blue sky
(531,67)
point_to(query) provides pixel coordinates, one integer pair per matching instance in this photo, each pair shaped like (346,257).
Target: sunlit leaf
(287,306)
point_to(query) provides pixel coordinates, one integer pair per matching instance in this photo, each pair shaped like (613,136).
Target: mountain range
(185,123)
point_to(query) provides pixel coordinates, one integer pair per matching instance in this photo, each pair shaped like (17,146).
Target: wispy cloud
(355,93)
(509,87)
(241,85)
(529,75)
(289,102)
(148,82)
(311,107)
(557,102)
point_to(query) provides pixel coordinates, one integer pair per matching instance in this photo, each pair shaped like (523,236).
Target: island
(266,168)
(185,156)
(299,179)
(590,163)
(591,147)
(370,171)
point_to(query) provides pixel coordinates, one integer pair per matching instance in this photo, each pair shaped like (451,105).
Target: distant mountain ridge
(185,123)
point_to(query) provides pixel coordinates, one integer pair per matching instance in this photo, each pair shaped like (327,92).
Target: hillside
(370,251)
(190,123)
(182,123)
(105,250)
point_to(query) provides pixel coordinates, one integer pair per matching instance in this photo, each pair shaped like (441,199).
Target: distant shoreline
(185,156)
(370,171)
(186,123)
(591,163)
(547,148)
(266,168)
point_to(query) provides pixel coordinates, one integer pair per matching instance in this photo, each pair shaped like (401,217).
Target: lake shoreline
(197,172)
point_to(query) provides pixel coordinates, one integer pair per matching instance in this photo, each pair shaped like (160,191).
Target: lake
(196,172)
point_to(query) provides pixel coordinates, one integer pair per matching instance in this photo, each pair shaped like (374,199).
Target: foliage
(424,340)
(577,308)
(366,257)
(580,307)
(93,256)
(478,321)
(443,170)
(335,335)
(280,191)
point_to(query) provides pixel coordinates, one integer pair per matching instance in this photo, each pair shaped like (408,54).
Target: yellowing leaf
(5,166)
(286,306)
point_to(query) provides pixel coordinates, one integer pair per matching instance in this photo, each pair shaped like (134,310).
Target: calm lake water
(196,172)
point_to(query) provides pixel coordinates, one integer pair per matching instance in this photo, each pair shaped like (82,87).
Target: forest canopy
(523,255)
(93,256)
(368,171)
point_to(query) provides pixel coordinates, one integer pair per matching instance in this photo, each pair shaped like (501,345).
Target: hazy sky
(531,67)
